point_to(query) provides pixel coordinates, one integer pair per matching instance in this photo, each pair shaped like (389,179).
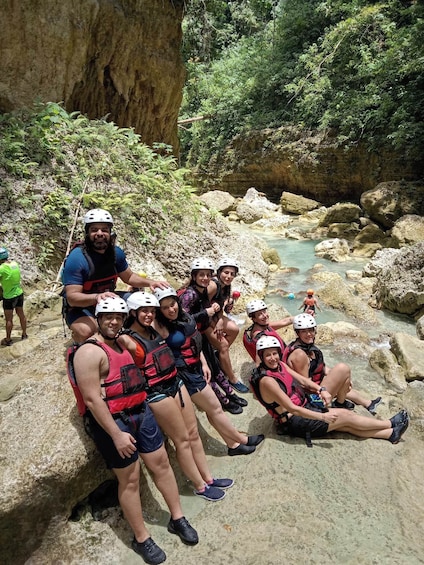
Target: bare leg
(129,499)
(338,382)
(361,426)
(231,330)
(22,320)
(169,417)
(83,328)
(222,346)
(163,475)
(193,431)
(207,401)
(355,397)
(8,316)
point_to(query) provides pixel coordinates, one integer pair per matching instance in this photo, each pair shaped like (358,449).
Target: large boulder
(409,352)
(296,204)
(369,240)
(385,363)
(118,59)
(218,200)
(399,277)
(333,249)
(343,212)
(408,230)
(388,201)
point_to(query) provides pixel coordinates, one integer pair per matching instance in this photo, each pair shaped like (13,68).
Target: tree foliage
(353,68)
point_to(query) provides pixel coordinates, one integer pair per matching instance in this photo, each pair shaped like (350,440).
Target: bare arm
(283,323)
(79,299)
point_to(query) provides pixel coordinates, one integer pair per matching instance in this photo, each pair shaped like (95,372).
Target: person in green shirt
(13,295)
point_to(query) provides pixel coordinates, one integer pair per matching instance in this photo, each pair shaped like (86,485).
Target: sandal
(6,341)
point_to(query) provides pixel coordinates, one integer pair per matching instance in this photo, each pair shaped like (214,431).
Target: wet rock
(409,352)
(345,330)
(271,257)
(420,327)
(385,363)
(333,249)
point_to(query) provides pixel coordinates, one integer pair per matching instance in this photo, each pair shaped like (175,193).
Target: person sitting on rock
(310,303)
(289,402)
(90,273)
(257,311)
(304,357)
(112,392)
(179,330)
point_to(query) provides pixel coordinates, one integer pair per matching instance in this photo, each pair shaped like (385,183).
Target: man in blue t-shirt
(91,271)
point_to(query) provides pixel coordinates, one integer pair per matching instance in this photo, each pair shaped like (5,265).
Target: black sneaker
(399,418)
(241,450)
(237,400)
(398,431)
(255,440)
(149,551)
(347,404)
(232,407)
(374,403)
(213,494)
(240,387)
(182,528)
(222,483)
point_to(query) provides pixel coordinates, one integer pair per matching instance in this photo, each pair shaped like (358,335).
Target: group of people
(140,360)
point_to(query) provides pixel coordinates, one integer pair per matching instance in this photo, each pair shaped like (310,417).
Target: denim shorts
(194,381)
(142,426)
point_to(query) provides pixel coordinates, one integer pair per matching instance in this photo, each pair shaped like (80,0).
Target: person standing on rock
(13,295)
(90,273)
(289,402)
(304,357)
(123,426)
(310,303)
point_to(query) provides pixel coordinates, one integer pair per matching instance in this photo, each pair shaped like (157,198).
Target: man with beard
(91,271)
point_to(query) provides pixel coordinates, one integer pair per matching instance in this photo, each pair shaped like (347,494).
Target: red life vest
(249,340)
(316,363)
(159,362)
(192,346)
(287,384)
(124,386)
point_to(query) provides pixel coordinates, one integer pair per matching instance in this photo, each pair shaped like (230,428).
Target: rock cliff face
(285,159)
(119,58)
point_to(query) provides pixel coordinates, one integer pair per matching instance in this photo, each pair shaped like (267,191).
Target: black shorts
(12,303)
(298,426)
(194,381)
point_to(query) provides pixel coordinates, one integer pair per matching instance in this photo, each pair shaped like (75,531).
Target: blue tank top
(175,340)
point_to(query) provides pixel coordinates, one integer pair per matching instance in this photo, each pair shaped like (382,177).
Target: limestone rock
(388,201)
(271,257)
(248,213)
(344,212)
(420,327)
(44,305)
(337,294)
(118,59)
(218,200)
(399,278)
(369,240)
(408,230)
(386,364)
(295,204)
(353,275)
(333,249)
(342,229)
(409,352)
(414,402)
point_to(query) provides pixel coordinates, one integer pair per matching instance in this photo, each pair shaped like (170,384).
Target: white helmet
(162,293)
(139,299)
(97,215)
(267,341)
(255,306)
(304,322)
(201,263)
(114,304)
(228,262)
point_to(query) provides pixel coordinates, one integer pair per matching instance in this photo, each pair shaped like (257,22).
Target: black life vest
(124,386)
(287,384)
(195,303)
(159,362)
(316,363)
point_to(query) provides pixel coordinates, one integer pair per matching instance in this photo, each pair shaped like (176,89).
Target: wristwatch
(322,388)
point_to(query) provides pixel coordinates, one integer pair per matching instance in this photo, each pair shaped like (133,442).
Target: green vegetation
(55,160)
(352,69)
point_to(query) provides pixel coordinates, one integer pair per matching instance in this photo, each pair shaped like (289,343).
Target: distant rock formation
(118,58)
